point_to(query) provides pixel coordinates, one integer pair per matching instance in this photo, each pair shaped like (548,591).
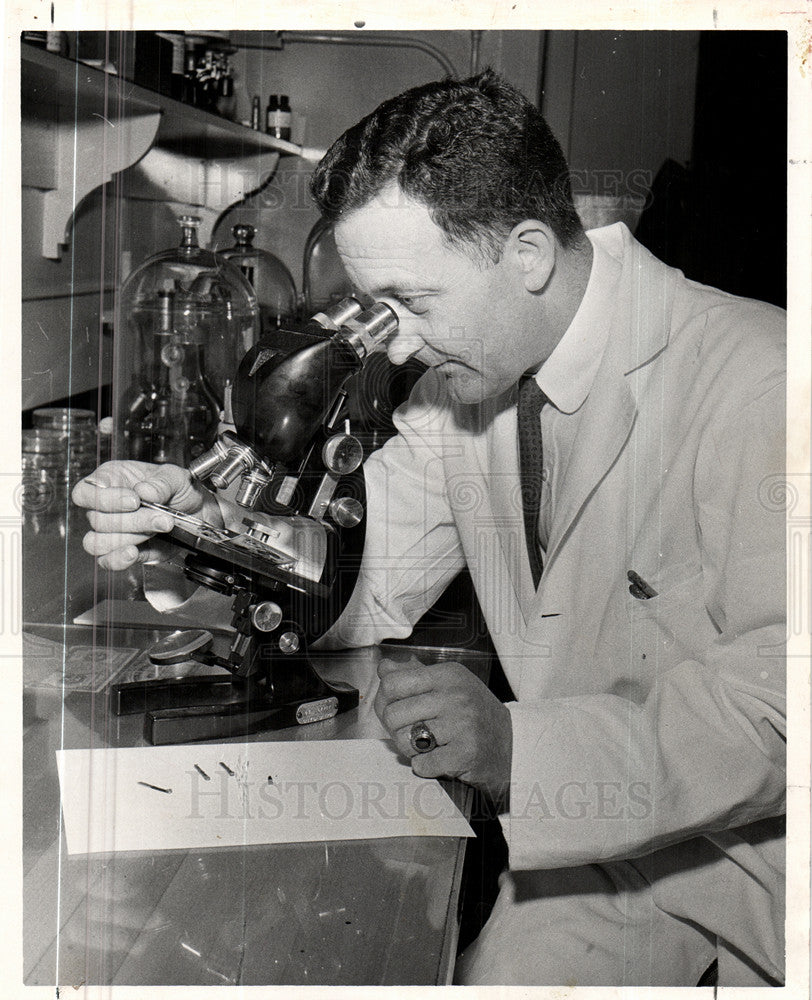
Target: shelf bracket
(88,154)
(208,186)
(82,126)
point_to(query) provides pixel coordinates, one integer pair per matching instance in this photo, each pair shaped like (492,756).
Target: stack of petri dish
(57,452)
(43,459)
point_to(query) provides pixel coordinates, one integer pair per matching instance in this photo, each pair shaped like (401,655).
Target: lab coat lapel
(639,332)
(606,423)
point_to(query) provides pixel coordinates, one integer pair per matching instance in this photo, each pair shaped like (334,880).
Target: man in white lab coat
(640,769)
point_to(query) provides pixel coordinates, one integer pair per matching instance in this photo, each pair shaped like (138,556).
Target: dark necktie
(531,464)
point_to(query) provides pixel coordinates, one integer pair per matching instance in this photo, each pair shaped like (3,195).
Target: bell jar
(271,280)
(184,319)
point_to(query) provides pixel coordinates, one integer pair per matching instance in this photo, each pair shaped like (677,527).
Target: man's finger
(143,521)
(127,550)
(170,483)
(402,714)
(94,496)
(155,550)
(120,558)
(387,665)
(101,544)
(407,681)
(437,763)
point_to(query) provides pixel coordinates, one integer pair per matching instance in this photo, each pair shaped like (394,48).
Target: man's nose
(404,343)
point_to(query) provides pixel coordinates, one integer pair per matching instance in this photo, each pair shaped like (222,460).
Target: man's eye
(416,304)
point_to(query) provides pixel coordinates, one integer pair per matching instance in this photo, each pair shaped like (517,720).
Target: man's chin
(465,386)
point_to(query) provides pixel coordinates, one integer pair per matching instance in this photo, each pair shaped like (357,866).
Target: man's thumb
(170,483)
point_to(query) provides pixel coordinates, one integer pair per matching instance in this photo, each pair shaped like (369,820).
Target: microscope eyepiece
(336,316)
(370,328)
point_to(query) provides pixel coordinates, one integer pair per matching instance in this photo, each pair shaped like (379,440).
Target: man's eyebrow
(394,289)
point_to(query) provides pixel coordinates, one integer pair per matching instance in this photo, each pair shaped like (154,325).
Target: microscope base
(169,726)
(135,697)
(188,709)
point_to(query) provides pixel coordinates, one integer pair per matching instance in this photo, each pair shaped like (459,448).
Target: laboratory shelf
(82,125)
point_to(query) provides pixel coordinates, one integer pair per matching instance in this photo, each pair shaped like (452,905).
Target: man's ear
(532,247)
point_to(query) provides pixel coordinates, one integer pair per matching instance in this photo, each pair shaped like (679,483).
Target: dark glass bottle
(283,119)
(270,114)
(178,67)
(225,95)
(190,90)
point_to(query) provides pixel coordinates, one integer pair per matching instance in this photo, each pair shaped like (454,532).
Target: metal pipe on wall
(365,39)
(476,40)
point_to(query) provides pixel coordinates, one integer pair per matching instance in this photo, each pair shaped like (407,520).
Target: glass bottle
(152,428)
(226,98)
(270,114)
(283,118)
(178,78)
(190,91)
(268,276)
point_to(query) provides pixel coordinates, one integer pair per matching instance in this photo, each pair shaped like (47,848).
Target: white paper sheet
(319,790)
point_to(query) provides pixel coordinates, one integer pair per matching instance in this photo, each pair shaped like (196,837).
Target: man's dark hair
(475,152)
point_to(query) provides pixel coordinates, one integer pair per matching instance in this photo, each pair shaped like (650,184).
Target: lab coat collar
(567,375)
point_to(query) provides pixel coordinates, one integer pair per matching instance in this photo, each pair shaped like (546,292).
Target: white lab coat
(661,720)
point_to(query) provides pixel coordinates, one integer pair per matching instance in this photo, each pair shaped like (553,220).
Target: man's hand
(472,727)
(112,495)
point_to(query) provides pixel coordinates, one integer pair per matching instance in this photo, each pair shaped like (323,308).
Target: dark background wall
(683,135)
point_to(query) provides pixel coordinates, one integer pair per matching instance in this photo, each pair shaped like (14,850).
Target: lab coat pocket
(673,625)
(677,591)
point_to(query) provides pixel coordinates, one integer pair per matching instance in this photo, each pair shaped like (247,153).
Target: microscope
(291,565)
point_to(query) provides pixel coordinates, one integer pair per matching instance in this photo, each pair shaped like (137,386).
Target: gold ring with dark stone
(421,738)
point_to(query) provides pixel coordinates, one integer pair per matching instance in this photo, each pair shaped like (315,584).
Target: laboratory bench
(355,912)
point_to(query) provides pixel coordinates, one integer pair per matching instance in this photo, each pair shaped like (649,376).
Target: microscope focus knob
(347,512)
(342,454)
(266,616)
(289,642)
